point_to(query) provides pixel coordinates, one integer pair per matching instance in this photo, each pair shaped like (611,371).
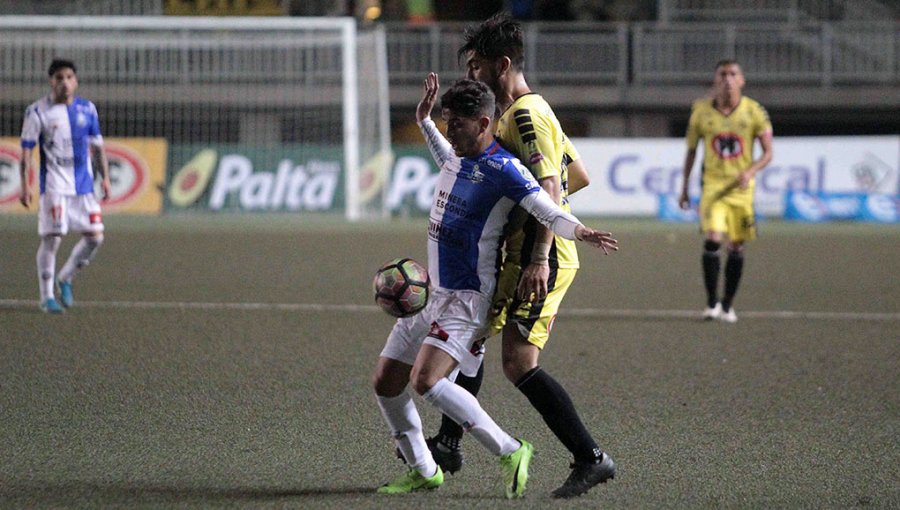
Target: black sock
(450,432)
(556,408)
(711,271)
(734,267)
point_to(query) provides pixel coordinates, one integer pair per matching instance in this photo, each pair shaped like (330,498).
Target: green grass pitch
(225,361)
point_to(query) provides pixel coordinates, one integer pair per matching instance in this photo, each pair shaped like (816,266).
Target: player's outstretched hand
(429,97)
(597,238)
(25,197)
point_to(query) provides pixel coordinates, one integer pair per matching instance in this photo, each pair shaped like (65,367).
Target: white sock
(82,253)
(403,419)
(46,265)
(465,410)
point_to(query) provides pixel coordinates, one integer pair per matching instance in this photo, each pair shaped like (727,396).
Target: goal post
(296,89)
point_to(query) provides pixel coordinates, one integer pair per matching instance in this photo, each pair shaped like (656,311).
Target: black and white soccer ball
(401,287)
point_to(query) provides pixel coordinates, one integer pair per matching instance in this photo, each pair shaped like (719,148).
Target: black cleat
(584,476)
(449,460)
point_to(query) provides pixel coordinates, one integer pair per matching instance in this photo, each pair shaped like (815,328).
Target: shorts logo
(477,347)
(437,332)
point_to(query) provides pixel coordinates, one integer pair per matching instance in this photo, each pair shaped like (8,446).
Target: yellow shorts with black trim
(534,319)
(732,217)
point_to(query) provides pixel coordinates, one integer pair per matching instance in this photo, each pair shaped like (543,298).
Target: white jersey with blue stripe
(472,201)
(63,133)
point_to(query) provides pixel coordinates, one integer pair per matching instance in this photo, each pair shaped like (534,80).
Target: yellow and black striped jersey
(727,139)
(530,130)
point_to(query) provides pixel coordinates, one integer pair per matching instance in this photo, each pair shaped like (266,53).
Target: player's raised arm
(429,97)
(440,148)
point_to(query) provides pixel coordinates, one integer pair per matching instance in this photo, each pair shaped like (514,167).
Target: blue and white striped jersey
(472,201)
(63,133)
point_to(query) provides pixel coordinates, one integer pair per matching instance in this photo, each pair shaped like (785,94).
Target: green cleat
(514,468)
(413,481)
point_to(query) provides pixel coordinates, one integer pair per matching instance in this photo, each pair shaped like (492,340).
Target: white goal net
(289,114)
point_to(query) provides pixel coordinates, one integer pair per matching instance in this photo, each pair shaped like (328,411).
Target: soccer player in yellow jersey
(729,124)
(538,267)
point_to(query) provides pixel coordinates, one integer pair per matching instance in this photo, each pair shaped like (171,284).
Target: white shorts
(454,321)
(59,213)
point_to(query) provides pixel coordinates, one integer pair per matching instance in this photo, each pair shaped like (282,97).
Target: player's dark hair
(59,63)
(469,98)
(726,62)
(498,36)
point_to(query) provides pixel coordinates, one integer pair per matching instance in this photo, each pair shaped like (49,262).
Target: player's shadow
(37,494)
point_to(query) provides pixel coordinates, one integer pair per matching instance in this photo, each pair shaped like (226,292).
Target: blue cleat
(51,306)
(65,293)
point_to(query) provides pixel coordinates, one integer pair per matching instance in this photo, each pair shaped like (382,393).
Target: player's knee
(514,368)
(387,384)
(422,380)
(51,238)
(711,246)
(95,240)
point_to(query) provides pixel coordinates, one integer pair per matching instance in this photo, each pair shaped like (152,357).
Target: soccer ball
(401,287)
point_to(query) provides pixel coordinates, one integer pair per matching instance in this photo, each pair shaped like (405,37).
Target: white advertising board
(628,174)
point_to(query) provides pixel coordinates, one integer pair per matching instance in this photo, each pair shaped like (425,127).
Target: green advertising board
(235,177)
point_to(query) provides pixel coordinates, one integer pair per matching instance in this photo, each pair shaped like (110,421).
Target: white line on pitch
(572,312)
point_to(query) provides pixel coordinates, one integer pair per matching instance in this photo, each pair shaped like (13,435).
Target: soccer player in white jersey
(66,130)
(478,185)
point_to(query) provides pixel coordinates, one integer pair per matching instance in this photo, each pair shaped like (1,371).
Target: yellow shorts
(729,216)
(535,320)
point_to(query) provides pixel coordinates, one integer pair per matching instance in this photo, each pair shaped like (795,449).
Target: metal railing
(555,53)
(817,55)
(589,54)
(792,11)
(613,54)
(83,7)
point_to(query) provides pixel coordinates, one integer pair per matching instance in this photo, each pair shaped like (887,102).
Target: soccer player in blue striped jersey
(66,130)
(538,267)
(478,185)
